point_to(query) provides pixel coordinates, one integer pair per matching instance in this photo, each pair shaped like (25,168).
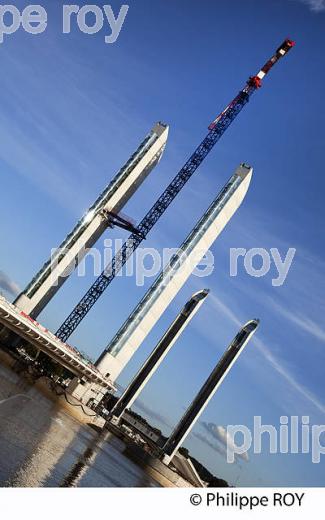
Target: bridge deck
(32,331)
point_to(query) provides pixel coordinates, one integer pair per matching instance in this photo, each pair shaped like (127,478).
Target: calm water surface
(40,445)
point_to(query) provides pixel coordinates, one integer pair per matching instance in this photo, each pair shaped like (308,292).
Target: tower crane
(216,130)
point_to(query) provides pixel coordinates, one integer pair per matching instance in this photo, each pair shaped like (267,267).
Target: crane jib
(217,129)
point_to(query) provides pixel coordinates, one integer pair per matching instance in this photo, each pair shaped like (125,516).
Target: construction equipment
(216,130)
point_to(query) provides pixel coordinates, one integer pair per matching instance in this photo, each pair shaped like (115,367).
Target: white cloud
(278,367)
(8,285)
(141,407)
(316,6)
(224,438)
(303,322)
(220,306)
(211,444)
(152,414)
(274,362)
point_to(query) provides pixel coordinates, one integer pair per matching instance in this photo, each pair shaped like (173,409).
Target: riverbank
(41,445)
(17,384)
(70,405)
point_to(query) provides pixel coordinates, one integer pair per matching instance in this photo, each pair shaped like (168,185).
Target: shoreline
(153,467)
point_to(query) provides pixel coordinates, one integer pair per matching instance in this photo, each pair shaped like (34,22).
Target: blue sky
(72,111)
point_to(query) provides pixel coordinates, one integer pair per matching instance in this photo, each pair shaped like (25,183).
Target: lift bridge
(20,318)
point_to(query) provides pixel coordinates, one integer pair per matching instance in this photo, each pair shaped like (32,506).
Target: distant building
(141,426)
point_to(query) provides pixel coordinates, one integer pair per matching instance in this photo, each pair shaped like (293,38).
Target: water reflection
(40,445)
(85,461)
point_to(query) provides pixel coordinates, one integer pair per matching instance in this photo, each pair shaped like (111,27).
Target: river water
(40,445)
